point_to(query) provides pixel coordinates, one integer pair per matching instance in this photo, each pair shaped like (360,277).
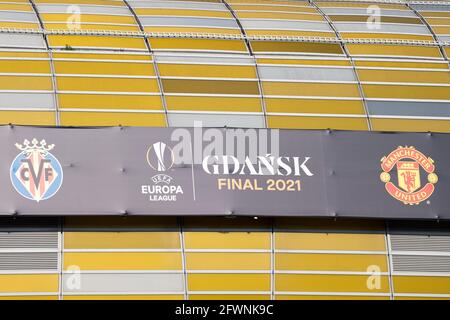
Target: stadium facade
(330,65)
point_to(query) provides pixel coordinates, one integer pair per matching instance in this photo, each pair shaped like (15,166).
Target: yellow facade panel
(25,66)
(210,86)
(437,18)
(121,240)
(271,2)
(297,122)
(296,47)
(125,297)
(92,27)
(314,106)
(101,84)
(29,283)
(26,83)
(182,12)
(401,64)
(227,240)
(28,117)
(337,4)
(104,68)
(384,75)
(331,283)
(90,41)
(421,285)
(229,104)
(114,3)
(278,15)
(406,91)
(206,71)
(229,297)
(347,90)
(88,18)
(112,119)
(165,29)
(288,33)
(198,44)
(390,36)
(19,25)
(102,55)
(443,20)
(304,62)
(228,282)
(435,14)
(123,260)
(24,54)
(272,6)
(322,297)
(393,50)
(29,297)
(421,298)
(16,6)
(227,261)
(365,18)
(109,101)
(329,241)
(331,262)
(441,29)
(424,125)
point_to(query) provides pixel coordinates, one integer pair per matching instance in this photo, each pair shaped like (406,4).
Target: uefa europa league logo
(160,157)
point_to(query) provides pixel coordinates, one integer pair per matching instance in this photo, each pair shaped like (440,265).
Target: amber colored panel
(210,86)
(228,297)
(383,19)
(306,47)
(323,297)
(424,125)
(28,117)
(288,122)
(330,283)
(314,106)
(421,285)
(112,119)
(125,297)
(197,44)
(393,50)
(229,282)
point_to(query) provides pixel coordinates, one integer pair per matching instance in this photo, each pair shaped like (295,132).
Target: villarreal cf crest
(35,173)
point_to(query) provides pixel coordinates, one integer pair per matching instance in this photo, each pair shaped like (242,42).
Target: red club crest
(408,162)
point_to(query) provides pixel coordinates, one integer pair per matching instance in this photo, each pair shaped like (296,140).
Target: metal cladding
(347,65)
(226,171)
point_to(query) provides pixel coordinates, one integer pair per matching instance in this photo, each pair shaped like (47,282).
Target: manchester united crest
(35,173)
(407,185)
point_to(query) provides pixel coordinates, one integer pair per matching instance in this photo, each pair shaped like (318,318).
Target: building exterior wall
(241,63)
(222,258)
(375,65)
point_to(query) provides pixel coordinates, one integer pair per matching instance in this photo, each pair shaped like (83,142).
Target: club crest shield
(35,173)
(408,162)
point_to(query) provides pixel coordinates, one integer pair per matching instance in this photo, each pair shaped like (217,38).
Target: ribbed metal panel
(421,263)
(420,243)
(28,261)
(28,240)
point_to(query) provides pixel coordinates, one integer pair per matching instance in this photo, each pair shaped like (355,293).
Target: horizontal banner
(226,171)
